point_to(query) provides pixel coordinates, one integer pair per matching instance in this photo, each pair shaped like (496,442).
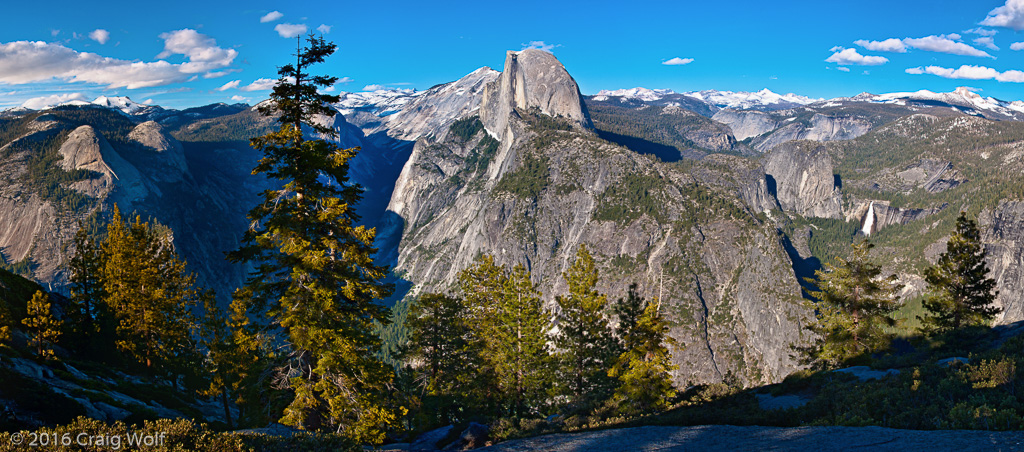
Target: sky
(189,53)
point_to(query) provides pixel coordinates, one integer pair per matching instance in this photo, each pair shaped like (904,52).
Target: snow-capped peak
(746,100)
(122,103)
(962,96)
(380,100)
(644,94)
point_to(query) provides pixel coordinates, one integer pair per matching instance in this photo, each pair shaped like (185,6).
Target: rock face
(819,128)
(769,130)
(875,215)
(803,180)
(432,112)
(163,150)
(84,149)
(1002,231)
(531,79)
(725,281)
(746,124)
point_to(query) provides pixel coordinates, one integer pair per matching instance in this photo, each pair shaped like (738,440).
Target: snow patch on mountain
(962,96)
(381,101)
(644,94)
(741,100)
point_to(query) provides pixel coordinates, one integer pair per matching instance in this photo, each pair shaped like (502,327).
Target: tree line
(491,350)
(854,303)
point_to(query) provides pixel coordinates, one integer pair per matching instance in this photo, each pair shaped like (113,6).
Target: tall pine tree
(962,291)
(315,274)
(854,304)
(151,294)
(586,347)
(91,325)
(42,327)
(644,367)
(517,335)
(439,344)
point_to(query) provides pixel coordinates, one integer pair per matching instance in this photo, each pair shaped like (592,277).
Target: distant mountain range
(719,201)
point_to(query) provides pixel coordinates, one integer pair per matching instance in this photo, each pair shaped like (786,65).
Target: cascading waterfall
(869,220)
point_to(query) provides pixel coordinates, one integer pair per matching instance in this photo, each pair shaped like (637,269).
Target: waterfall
(869,220)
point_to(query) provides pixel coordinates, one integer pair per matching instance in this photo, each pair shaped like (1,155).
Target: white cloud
(843,68)
(148,102)
(238,98)
(324,29)
(100,35)
(540,45)
(945,44)
(229,85)
(290,30)
(54,32)
(1017,46)
(201,50)
(967,72)
(982,31)
(850,56)
(888,45)
(678,61)
(374,87)
(38,103)
(271,16)
(27,62)
(1010,15)
(987,42)
(341,81)
(262,84)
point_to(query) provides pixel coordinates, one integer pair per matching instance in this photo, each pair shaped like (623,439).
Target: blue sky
(188,53)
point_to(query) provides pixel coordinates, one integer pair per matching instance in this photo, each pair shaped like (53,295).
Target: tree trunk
(227,411)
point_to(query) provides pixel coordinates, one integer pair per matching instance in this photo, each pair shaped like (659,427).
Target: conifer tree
(315,274)
(509,327)
(41,325)
(586,347)
(962,291)
(90,323)
(644,367)
(853,306)
(151,294)
(439,342)
(518,337)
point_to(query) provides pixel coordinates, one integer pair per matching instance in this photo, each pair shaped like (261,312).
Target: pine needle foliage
(962,291)
(151,294)
(41,325)
(854,304)
(585,346)
(315,276)
(644,367)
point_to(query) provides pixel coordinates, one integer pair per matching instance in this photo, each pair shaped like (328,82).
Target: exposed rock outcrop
(433,111)
(1002,231)
(875,215)
(820,128)
(531,79)
(746,123)
(800,176)
(165,153)
(85,149)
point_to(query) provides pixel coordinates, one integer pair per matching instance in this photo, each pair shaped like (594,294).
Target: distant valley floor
(728,437)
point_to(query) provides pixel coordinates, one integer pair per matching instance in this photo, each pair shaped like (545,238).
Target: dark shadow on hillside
(663,152)
(802,267)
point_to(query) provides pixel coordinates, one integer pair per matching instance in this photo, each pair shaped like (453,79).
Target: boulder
(474,436)
(428,441)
